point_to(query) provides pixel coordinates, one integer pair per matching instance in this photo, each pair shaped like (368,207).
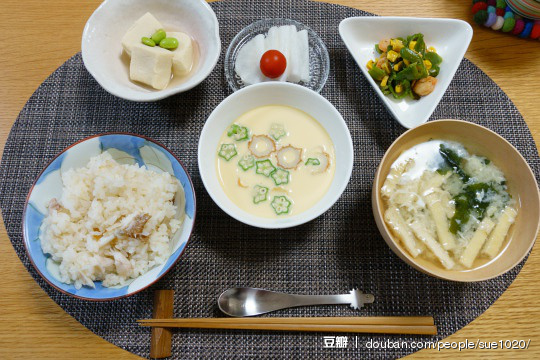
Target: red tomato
(273,64)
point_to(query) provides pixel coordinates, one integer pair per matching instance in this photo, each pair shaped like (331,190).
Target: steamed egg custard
(448,206)
(275,161)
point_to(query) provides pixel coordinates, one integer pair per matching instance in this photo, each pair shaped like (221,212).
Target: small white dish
(275,93)
(102,43)
(450,37)
(319,60)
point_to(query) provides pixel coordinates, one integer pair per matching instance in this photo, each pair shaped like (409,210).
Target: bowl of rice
(109,216)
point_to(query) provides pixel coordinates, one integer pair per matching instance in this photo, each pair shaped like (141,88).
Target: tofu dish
(158,56)
(448,206)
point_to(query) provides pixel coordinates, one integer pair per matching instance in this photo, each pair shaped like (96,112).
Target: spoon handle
(303,300)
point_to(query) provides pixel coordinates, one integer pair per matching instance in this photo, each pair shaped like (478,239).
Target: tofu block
(183,54)
(151,66)
(146,25)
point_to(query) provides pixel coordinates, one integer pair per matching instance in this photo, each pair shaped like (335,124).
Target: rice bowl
(125,148)
(112,223)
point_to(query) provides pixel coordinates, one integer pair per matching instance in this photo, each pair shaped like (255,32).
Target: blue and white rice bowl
(124,148)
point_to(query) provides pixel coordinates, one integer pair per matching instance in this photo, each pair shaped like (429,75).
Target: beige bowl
(521,185)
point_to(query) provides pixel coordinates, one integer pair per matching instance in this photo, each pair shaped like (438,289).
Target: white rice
(85,232)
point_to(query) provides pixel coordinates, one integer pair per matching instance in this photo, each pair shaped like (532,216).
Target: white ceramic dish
(272,93)
(450,37)
(102,49)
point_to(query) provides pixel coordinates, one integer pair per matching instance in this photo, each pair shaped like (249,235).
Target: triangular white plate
(450,38)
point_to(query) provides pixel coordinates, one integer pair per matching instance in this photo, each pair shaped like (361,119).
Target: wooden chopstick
(383,325)
(365,320)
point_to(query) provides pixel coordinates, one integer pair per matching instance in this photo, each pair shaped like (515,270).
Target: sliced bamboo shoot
(432,244)
(477,241)
(400,228)
(494,243)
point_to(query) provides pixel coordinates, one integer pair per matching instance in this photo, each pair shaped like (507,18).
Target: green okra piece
(227,151)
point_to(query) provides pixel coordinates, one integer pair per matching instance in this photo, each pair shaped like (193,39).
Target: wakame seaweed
(468,202)
(453,161)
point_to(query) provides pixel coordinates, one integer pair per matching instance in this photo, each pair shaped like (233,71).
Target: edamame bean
(158,36)
(169,43)
(148,42)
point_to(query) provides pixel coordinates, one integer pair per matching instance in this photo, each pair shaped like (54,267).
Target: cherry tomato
(273,64)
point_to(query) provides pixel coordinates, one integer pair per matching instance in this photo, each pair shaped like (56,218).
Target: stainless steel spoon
(252,301)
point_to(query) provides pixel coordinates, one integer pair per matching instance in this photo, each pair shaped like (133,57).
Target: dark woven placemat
(340,250)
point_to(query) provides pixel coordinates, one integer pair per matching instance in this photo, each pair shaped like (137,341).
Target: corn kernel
(407,62)
(384,81)
(427,63)
(398,66)
(431,49)
(392,56)
(370,64)
(399,88)
(412,44)
(386,68)
(396,44)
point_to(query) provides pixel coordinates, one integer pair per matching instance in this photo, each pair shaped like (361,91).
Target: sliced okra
(313,161)
(247,162)
(260,194)
(227,151)
(280,176)
(277,131)
(281,205)
(264,167)
(238,133)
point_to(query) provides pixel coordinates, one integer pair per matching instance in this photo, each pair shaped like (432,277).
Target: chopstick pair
(418,325)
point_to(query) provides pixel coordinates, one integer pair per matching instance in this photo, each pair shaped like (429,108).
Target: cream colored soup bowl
(275,93)
(521,183)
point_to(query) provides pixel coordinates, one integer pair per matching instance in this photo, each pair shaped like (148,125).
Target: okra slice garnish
(281,205)
(238,133)
(264,167)
(313,161)
(247,162)
(277,131)
(227,151)
(280,176)
(260,194)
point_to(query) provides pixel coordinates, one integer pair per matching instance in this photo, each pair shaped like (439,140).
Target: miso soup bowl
(521,183)
(275,93)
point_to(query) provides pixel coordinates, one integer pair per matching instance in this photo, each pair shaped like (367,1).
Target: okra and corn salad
(405,67)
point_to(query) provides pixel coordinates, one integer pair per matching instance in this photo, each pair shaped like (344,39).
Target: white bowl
(450,37)
(275,93)
(102,43)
